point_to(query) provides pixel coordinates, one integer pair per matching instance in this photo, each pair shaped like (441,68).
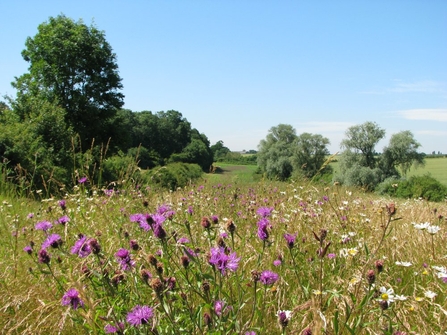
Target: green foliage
(362,139)
(415,187)
(401,153)
(219,151)
(72,64)
(283,154)
(309,155)
(174,175)
(359,164)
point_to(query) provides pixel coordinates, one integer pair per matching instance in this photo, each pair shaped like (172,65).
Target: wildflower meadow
(210,258)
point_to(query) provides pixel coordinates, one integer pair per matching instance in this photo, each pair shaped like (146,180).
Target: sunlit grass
(330,278)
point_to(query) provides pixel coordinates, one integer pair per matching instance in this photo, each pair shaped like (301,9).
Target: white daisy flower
(433,229)
(430,294)
(406,264)
(386,295)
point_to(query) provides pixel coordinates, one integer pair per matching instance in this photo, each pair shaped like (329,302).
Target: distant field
(436,167)
(230,173)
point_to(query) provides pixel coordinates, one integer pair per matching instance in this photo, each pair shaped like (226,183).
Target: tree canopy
(72,65)
(283,154)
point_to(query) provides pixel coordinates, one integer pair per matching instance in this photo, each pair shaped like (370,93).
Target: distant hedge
(425,187)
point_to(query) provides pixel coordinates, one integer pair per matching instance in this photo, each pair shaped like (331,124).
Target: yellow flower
(418,298)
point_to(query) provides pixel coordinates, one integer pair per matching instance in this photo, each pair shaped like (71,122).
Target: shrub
(424,186)
(174,175)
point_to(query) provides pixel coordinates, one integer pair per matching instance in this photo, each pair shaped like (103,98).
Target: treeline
(67,120)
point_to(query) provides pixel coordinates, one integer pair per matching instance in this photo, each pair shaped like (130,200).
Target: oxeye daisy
(386,295)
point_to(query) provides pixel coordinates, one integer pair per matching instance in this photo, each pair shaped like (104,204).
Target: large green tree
(73,66)
(401,153)
(275,152)
(309,154)
(362,139)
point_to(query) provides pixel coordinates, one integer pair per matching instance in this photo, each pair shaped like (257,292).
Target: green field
(229,173)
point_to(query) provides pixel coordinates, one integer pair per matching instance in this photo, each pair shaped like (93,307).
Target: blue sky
(234,69)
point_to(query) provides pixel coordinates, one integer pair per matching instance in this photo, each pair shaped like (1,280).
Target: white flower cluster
(431,229)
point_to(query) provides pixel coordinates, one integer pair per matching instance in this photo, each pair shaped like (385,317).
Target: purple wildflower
(218,307)
(44,256)
(277,262)
(28,249)
(190,210)
(268,277)
(142,219)
(62,220)
(182,240)
(331,256)
(123,257)
(140,315)
(118,328)
(290,239)
(264,211)
(251,332)
(215,219)
(163,209)
(71,298)
(263,224)
(43,225)
(62,204)
(222,261)
(54,240)
(82,180)
(81,247)
(30,215)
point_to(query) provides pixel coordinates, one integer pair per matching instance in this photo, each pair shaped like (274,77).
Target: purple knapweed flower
(264,211)
(82,180)
(190,210)
(118,328)
(142,219)
(62,204)
(222,261)
(43,225)
(62,220)
(54,241)
(277,262)
(28,249)
(71,298)
(81,247)
(140,315)
(290,239)
(220,307)
(123,257)
(44,256)
(182,240)
(30,215)
(331,256)
(214,219)
(263,224)
(268,277)
(163,209)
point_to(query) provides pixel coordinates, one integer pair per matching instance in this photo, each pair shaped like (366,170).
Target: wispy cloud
(427,86)
(316,127)
(440,133)
(427,114)
(399,86)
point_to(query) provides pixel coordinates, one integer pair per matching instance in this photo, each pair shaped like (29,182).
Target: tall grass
(222,258)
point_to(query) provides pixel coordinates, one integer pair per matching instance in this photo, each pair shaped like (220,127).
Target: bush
(174,175)
(424,186)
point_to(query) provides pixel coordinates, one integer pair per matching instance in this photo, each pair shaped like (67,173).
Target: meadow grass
(222,257)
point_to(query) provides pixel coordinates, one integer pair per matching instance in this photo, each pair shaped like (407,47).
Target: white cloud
(316,127)
(432,133)
(427,86)
(439,115)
